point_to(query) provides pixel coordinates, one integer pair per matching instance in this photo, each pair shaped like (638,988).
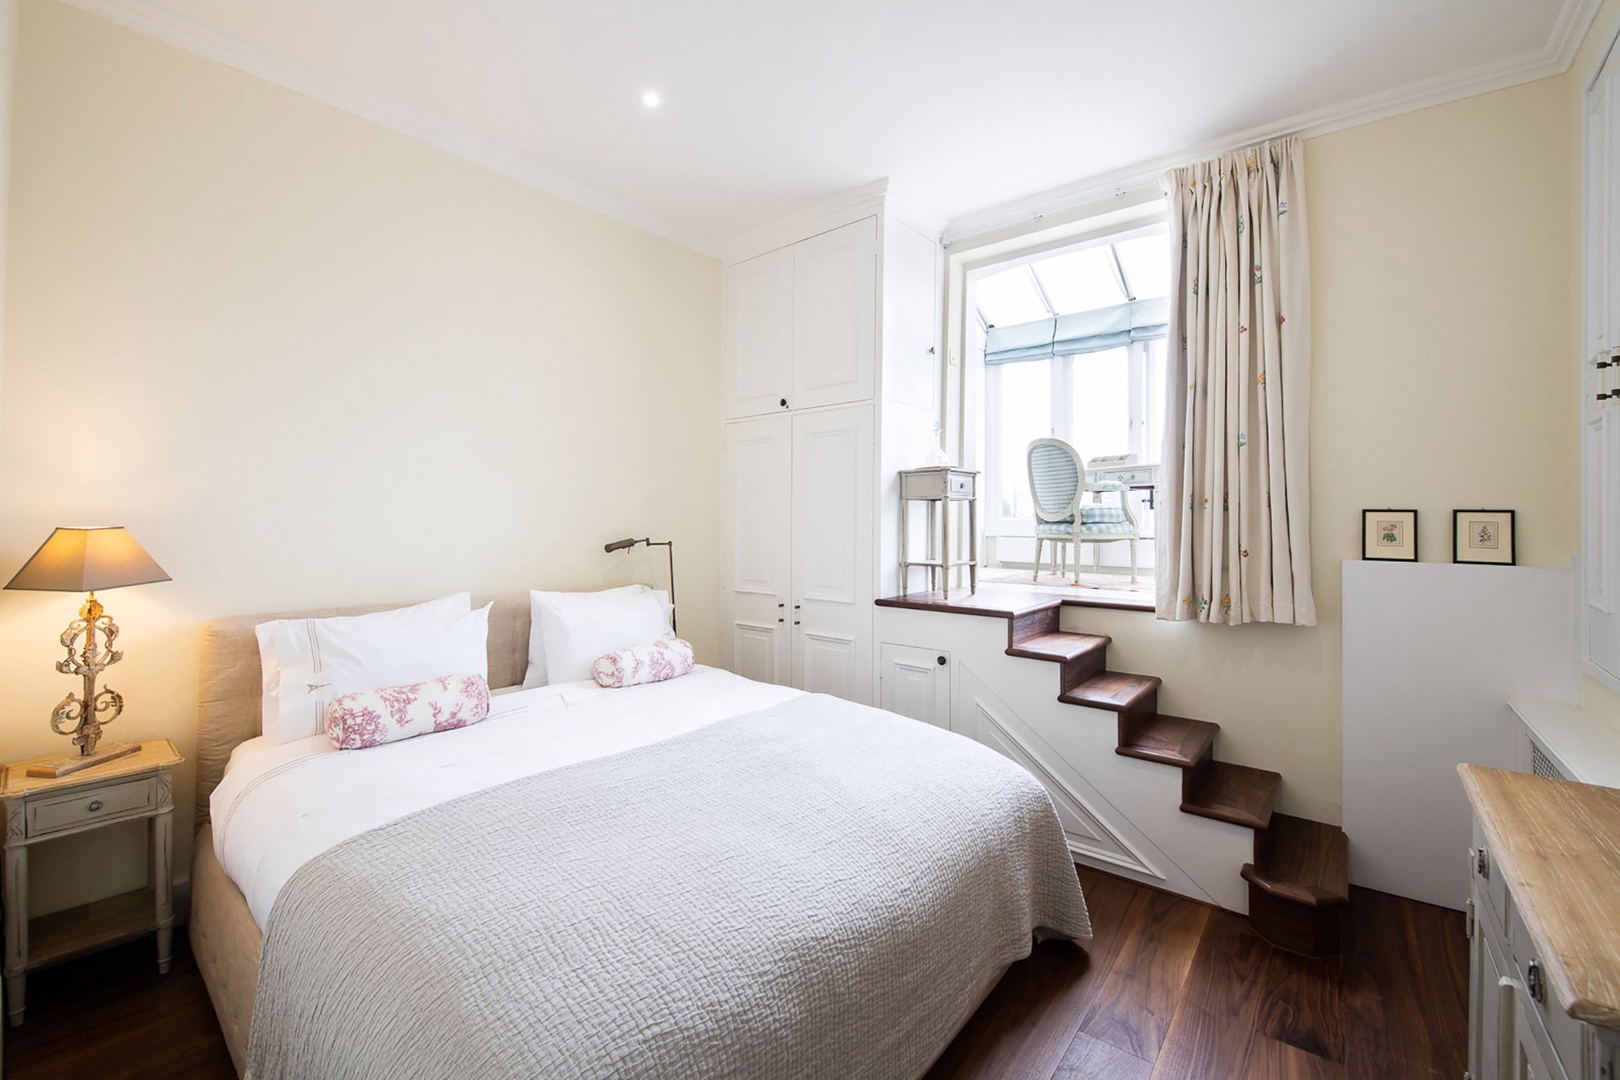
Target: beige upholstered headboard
(229,696)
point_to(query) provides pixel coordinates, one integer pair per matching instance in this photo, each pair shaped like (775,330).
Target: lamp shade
(86,559)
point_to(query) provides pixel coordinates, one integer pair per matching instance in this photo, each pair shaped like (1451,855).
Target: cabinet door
(832,552)
(1600,434)
(916,683)
(911,294)
(1485,998)
(756,336)
(835,316)
(756,548)
(1529,1060)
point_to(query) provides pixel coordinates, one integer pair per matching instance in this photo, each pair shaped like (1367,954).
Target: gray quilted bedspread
(816,890)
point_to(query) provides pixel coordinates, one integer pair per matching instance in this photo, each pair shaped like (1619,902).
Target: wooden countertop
(1557,843)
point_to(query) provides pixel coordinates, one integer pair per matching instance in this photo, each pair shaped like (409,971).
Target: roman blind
(1082,332)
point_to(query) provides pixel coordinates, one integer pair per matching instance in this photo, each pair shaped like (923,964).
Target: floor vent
(1542,765)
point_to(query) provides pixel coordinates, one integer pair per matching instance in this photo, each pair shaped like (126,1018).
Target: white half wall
(1432,652)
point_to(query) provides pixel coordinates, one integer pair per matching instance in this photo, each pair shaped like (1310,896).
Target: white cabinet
(916,683)
(797,550)
(800,324)
(1517,1029)
(831,385)
(1600,389)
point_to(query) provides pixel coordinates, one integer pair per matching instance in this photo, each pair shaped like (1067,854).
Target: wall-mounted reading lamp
(628,542)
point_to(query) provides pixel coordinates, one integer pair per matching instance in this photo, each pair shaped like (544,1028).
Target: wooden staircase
(1299,879)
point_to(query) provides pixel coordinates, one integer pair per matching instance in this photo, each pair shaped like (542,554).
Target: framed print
(1482,536)
(1389,535)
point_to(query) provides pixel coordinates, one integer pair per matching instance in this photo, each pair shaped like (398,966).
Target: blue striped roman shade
(1082,332)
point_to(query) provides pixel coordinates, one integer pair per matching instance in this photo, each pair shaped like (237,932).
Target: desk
(942,484)
(1134,477)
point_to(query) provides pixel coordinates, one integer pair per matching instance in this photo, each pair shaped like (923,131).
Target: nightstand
(46,808)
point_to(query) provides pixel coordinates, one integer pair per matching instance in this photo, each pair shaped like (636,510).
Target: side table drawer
(46,816)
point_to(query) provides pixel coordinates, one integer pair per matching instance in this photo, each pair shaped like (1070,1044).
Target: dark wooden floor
(1169,989)
(1173,990)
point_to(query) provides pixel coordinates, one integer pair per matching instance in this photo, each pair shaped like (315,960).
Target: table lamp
(82,560)
(629,542)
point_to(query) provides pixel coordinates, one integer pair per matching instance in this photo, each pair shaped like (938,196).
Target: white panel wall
(1432,652)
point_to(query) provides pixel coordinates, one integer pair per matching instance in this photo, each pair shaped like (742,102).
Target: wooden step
(1299,885)
(1119,691)
(1059,646)
(1306,862)
(1233,793)
(1169,740)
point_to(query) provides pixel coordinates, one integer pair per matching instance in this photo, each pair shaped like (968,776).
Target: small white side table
(944,485)
(46,808)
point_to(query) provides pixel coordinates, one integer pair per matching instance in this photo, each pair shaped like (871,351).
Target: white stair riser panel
(1140,800)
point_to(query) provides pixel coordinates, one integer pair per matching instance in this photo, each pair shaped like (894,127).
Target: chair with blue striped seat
(1062,516)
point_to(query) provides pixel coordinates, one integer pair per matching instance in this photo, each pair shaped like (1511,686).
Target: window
(1075,349)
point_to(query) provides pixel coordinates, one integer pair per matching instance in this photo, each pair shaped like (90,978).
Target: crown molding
(153,20)
(1554,58)
(819,218)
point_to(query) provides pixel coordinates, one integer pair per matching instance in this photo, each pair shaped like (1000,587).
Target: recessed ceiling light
(651,99)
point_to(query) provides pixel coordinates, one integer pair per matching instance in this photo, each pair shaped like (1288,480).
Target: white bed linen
(281,805)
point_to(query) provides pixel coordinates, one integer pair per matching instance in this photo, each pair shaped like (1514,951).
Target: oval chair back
(1055,470)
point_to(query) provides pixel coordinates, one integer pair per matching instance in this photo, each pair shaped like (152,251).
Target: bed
(692,878)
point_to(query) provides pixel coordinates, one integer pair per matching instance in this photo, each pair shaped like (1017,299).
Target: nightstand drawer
(46,816)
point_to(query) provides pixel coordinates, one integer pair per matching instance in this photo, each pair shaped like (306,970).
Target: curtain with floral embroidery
(1233,539)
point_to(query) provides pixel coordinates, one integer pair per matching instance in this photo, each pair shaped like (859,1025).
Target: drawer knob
(1534,982)
(95,804)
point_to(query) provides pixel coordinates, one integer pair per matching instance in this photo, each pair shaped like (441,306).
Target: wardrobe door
(833,544)
(756,336)
(835,316)
(756,548)
(1600,430)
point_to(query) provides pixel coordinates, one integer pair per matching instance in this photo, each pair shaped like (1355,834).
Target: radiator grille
(1542,765)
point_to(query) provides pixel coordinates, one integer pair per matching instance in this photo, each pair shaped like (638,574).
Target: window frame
(1142,383)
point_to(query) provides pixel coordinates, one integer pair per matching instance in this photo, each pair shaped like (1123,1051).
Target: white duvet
(281,805)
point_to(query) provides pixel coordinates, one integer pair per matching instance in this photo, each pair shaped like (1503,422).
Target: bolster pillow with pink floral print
(654,662)
(373,717)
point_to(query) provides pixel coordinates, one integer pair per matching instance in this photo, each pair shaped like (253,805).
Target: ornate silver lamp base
(82,718)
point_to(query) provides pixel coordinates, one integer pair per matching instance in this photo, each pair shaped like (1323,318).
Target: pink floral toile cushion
(374,717)
(659,660)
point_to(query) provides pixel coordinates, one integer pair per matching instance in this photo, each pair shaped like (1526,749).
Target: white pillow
(579,627)
(536,673)
(287,658)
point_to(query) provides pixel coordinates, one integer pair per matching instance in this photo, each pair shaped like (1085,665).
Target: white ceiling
(770,107)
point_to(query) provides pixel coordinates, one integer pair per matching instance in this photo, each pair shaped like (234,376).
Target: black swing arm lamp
(629,542)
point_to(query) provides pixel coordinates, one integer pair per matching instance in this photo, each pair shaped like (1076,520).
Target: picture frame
(1389,535)
(1483,536)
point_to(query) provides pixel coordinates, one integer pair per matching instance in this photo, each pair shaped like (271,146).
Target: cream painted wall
(307,360)
(1443,269)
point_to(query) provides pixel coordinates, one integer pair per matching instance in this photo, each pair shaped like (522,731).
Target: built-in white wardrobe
(1600,451)
(831,383)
